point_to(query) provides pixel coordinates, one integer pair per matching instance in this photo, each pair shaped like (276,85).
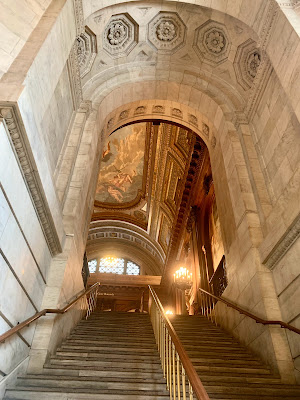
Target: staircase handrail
(28,321)
(194,379)
(248,314)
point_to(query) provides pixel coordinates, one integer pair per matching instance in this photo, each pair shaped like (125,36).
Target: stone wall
(18,19)
(24,256)
(287,282)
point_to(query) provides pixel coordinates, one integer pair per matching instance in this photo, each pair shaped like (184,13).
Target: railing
(209,310)
(182,379)
(88,305)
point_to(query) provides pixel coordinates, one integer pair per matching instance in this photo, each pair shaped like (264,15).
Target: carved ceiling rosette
(246,64)
(86,51)
(120,35)
(166,32)
(212,43)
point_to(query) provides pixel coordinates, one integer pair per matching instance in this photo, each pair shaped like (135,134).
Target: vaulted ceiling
(169,54)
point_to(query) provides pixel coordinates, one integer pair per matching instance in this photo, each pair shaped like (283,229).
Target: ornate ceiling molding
(120,35)
(246,64)
(86,51)
(74,76)
(212,43)
(31,177)
(79,19)
(267,24)
(283,245)
(166,32)
(191,176)
(127,233)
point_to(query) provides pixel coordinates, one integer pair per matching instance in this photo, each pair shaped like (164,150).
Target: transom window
(113,265)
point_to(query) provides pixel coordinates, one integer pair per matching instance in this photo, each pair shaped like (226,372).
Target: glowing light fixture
(183,278)
(169,312)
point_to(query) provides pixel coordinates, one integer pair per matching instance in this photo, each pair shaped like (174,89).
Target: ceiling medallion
(120,35)
(86,51)
(246,64)
(212,43)
(166,32)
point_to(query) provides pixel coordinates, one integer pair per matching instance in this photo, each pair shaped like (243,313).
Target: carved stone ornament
(140,110)
(246,64)
(213,142)
(120,35)
(158,110)
(124,114)
(205,129)
(86,51)
(166,32)
(110,123)
(193,119)
(212,43)
(177,113)
(31,176)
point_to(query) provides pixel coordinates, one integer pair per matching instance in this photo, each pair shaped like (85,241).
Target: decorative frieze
(31,176)
(74,76)
(158,109)
(284,244)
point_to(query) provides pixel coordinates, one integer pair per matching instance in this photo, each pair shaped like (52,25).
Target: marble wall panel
(18,18)
(57,118)
(24,256)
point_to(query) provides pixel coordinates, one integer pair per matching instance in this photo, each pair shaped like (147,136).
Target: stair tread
(113,356)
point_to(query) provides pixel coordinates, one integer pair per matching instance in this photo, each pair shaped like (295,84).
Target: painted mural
(122,166)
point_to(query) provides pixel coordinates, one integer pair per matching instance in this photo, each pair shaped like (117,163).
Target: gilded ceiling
(146,179)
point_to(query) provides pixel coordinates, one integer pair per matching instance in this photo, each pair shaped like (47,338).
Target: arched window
(114,265)
(92,266)
(132,268)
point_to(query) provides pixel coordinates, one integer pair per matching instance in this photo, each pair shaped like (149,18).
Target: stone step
(252,388)
(108,349)
(220,353)
(26,393)
(221,368)
(108,343)
(225,360)
(133,364)
(118,338)
(77,370)
(112,332)
(106,355)
(67,382)
(210,378)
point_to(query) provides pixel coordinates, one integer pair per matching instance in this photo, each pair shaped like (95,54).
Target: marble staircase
(227,369)
(113,356)
(110,356)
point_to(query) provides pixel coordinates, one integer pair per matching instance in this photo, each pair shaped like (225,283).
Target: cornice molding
(284,244)
(74,77)
(31,177)
(79,19)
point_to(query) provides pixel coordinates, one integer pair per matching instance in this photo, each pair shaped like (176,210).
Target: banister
(39,314)
(194,378)
(248,314)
